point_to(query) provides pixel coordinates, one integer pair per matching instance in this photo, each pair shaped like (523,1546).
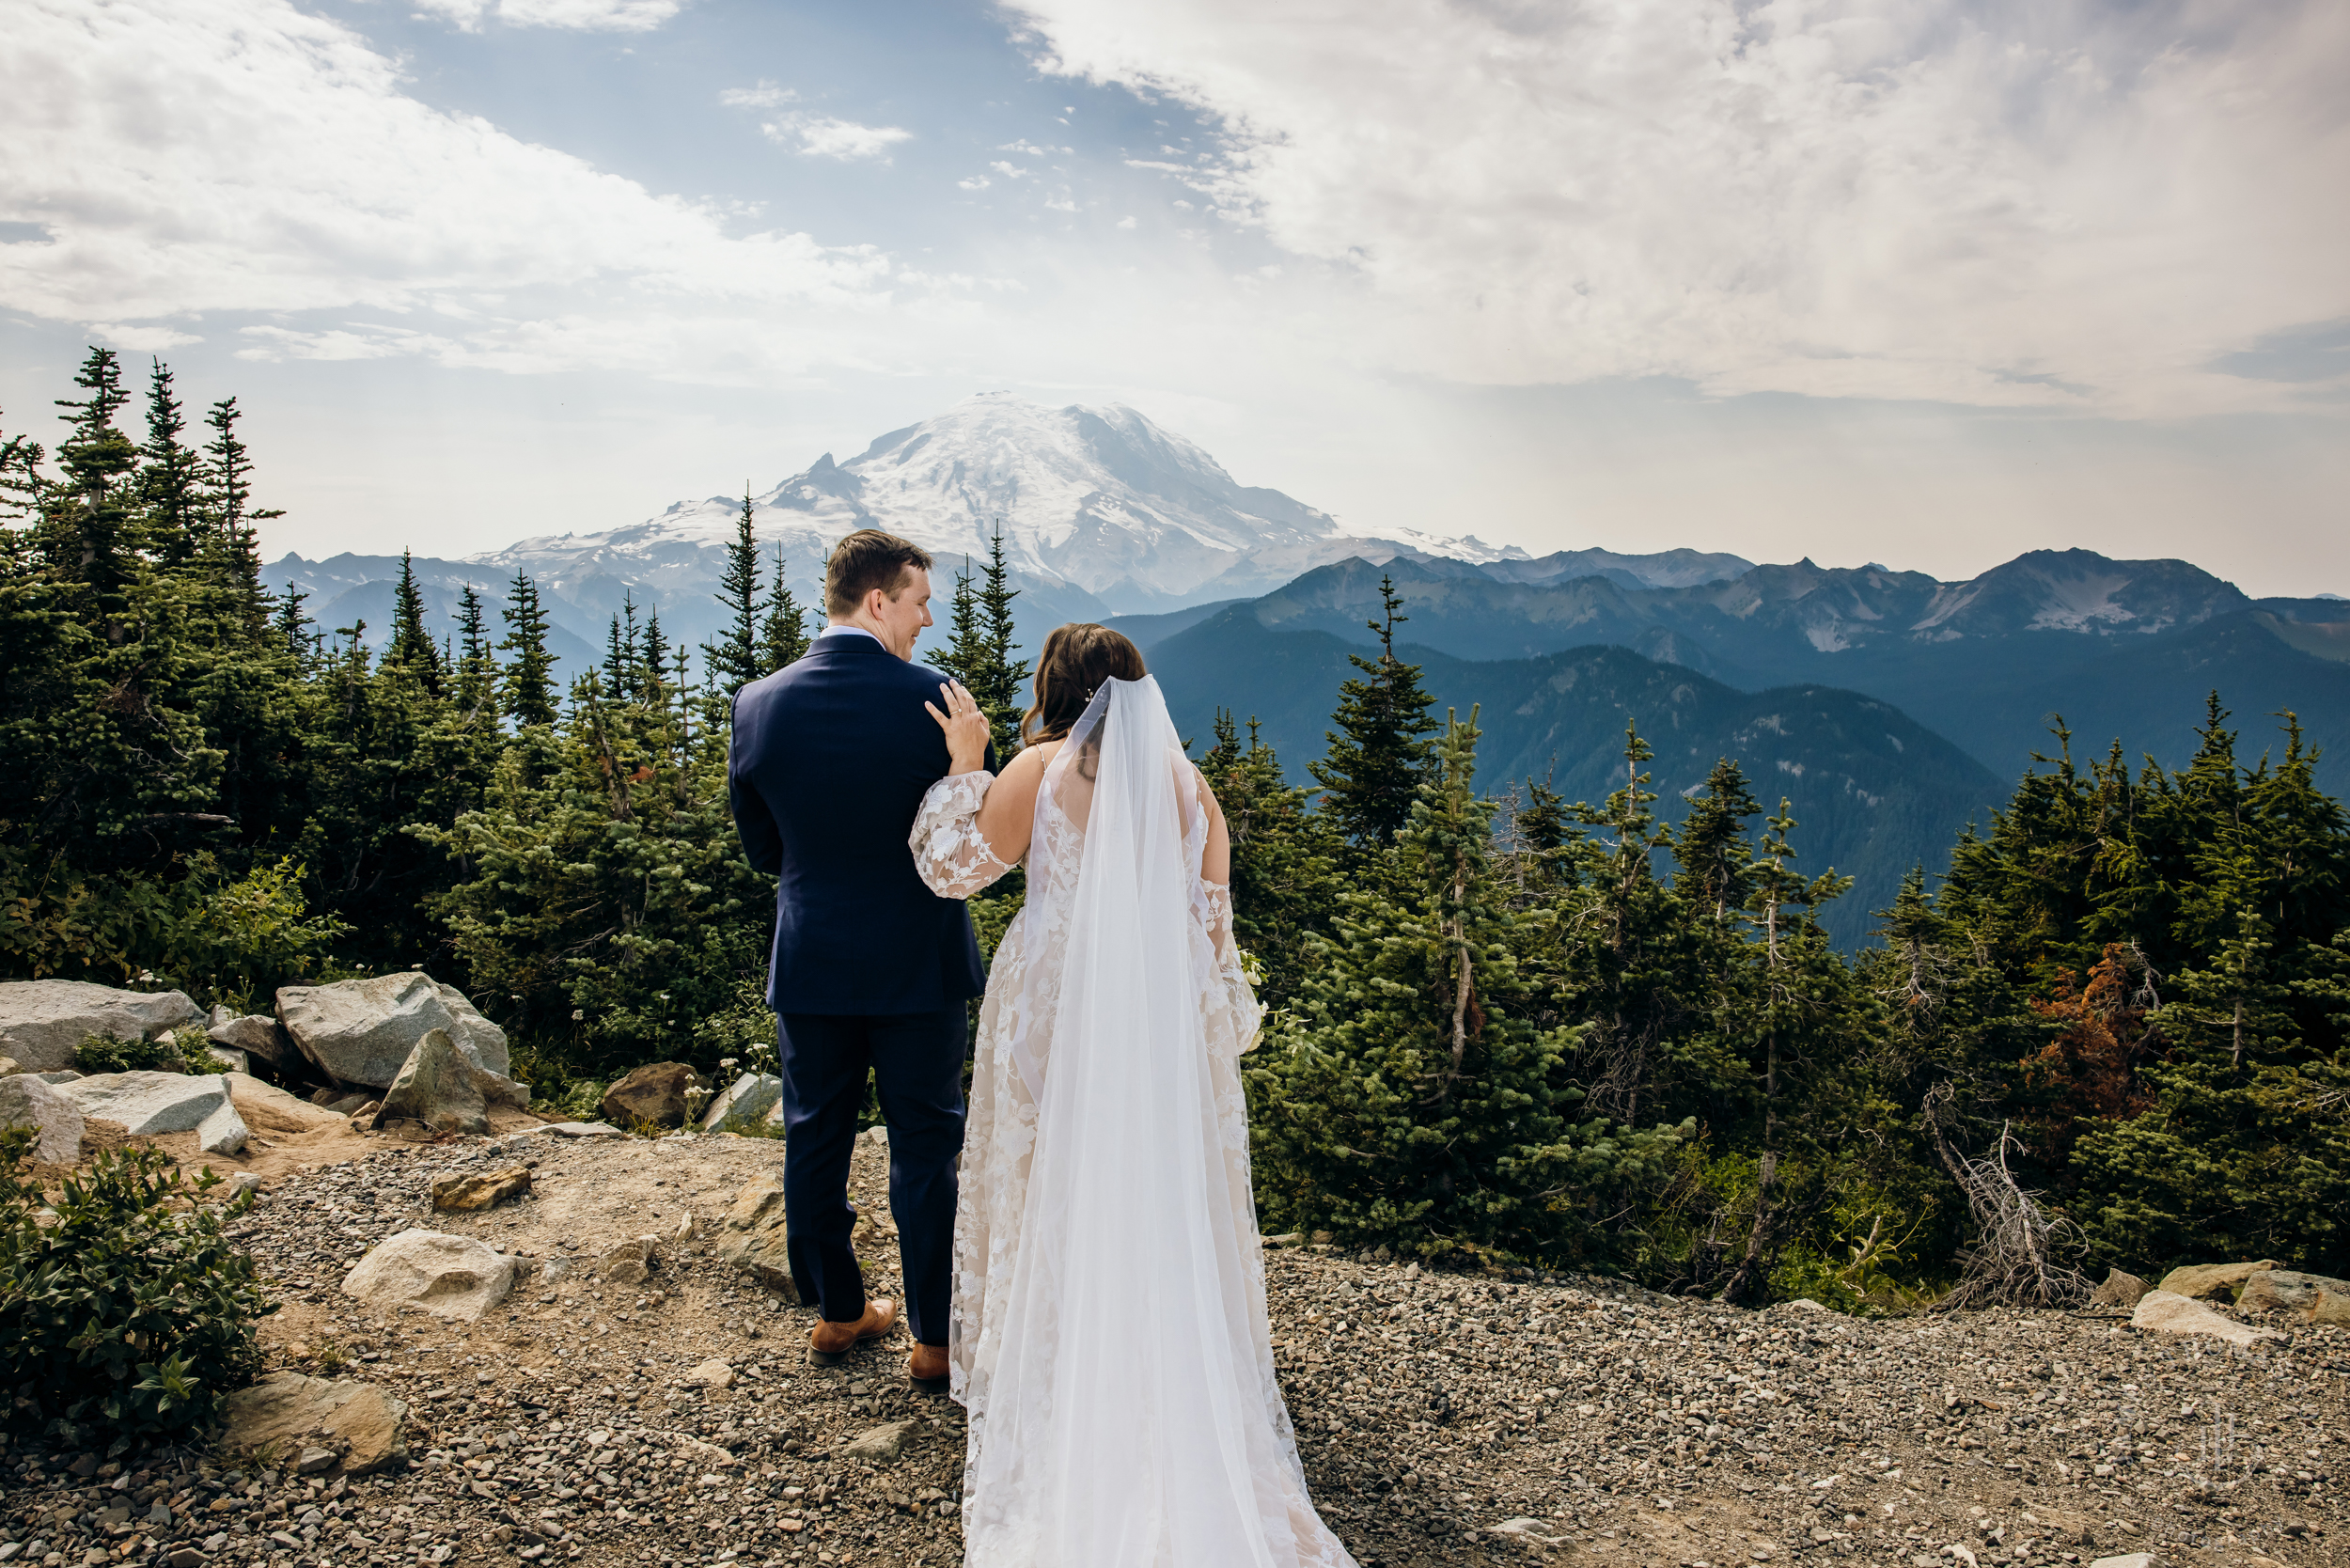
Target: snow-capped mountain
(1099,500)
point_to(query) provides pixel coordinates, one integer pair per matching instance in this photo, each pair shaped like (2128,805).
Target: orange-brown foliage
(2089,1070)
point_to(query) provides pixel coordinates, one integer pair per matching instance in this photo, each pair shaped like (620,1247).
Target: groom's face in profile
(900,620)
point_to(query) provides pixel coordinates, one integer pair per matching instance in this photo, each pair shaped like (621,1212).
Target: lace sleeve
(1231,963)
(950,850)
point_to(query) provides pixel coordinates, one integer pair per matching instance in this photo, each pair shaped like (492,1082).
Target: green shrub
(183,1051)
(126,1312)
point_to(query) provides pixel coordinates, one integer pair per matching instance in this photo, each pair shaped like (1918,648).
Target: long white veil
(1124,1408)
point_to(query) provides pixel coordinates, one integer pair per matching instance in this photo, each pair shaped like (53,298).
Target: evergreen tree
(1284,876)
(1543,830)
(1792,1003)
(234,523)
(1409,1103)
(1627,961)
(1378,757)
(293,627)
(477,665)
(735,659)
(94,524)
(784,633)
(1714,863)
(412,647)
(529,671)
(171,472)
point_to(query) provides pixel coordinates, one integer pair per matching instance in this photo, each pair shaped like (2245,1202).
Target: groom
(870,969)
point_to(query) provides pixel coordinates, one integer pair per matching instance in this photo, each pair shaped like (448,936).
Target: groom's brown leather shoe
(829,1343)
(926,1368)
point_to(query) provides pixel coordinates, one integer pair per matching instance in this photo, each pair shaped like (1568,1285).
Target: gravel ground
(1445,1420)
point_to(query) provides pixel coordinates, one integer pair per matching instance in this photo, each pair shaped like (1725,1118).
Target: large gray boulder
(362,1031)
(435,1088)
(256,1034)
(146,1103)
(55,1121)
(42,1020)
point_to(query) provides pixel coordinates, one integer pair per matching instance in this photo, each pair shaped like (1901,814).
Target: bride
(1109,1336)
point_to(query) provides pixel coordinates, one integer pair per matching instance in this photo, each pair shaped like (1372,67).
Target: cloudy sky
(1913,281)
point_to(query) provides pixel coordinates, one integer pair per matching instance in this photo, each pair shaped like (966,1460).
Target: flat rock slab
(356,1425)
(2198,1280)
(2166,1312)
(573,1129)
(42,1022)
(630,1262)
(451,1276)
(2120,1290)
(484,1190)
(751,1237)
(362,1031)
(2279,1290)
(710,1374)
(745,1104)
(273,1110)
(2128,1559)
(880,1442)
(150,1103)
(56,1121)
(256,1034)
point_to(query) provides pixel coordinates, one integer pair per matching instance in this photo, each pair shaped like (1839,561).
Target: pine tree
(172,471)
(1714,863)
(477,665)
(1544,830)
(293,627)
(235,524)
(1410,1103)
(734,660)
(1628,964)
(620,662)
(1377,758)
(94,520)
(1284,876)
(1002,677)
(784,633)
(529,671)
(412,647)
(1789,1005)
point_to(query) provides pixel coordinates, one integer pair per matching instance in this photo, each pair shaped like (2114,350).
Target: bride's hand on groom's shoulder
(965,727)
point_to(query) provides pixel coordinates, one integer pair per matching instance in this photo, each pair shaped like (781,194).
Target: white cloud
(192,156)
(607,16)
(820,137)
(1009,171)
(2023,202)
(137,337)
(764,96)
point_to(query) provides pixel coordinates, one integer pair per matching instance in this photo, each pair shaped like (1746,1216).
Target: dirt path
(1444,1420)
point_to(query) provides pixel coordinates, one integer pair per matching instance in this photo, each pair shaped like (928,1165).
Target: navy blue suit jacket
(831,757)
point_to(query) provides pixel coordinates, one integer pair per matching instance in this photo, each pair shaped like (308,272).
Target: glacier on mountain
(1098,500)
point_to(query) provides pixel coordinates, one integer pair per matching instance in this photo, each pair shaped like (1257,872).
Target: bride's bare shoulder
(1033,759)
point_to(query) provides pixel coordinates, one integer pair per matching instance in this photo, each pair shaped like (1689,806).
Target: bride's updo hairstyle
(1076,660)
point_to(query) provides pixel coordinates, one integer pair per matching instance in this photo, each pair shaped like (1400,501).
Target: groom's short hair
(866,560)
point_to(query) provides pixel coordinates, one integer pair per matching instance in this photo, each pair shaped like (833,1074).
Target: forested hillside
(2118,649)
(1877,793)
(1510,1022)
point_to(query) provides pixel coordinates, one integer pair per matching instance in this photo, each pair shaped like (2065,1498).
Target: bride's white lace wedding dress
(1109,1337)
